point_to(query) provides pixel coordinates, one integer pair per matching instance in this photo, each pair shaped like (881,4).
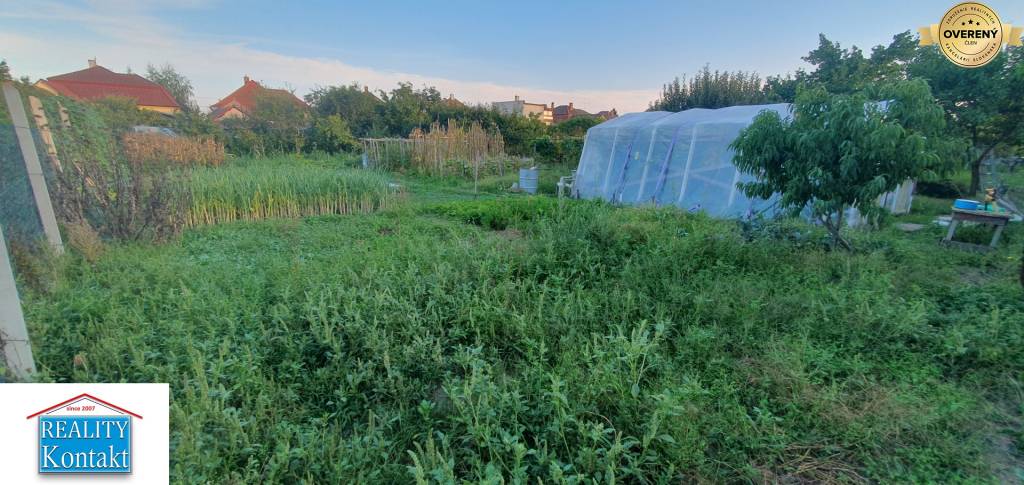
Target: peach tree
(837,151)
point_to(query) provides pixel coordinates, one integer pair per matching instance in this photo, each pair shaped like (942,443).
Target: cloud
(62,37)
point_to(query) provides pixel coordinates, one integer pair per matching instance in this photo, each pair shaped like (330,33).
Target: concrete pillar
(35,171)
(14,343)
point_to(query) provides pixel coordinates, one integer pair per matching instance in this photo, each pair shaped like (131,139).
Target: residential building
(242,101)
(451,102)
(567,112)
(98,82)
(520,107)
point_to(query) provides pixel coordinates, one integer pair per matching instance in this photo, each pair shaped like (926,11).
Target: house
(98,82)
(242,101)
(521,108)
(451,102)
(607,114)
(567,112)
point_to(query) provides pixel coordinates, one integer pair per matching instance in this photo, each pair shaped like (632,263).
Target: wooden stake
(44,132)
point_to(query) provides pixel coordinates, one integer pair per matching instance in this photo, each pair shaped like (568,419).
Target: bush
(940,189)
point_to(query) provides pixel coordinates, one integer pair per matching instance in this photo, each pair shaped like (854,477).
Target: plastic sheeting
(671,159)
(683,159)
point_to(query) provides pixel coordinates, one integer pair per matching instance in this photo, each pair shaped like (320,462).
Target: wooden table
(997,219)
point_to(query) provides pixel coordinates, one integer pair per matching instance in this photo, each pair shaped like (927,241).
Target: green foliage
(709,89)
(197,125)
(499,214)
(982,105)
(120,114)
(405,108)
(847,70)
(558,150)
(5,71)
(331,134)
(285,187)
(355,105)
(574,127)
(176,83)
(278,124)
(840,151)
(590,344)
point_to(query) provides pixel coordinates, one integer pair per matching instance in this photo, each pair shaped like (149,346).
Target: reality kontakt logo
(85,434)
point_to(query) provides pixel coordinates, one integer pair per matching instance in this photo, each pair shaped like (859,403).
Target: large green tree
(176,83)
(353,103)
(838,151)
(846,70)
(983,105)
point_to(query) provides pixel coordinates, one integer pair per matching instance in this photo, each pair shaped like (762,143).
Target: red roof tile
(246,96)
(99,82)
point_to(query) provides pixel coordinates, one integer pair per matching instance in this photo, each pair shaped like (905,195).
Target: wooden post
(14,342)
(44,131)
(35,171)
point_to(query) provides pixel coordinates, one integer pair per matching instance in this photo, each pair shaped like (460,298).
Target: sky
(597,54)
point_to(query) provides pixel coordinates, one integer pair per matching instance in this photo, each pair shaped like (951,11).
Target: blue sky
(600,54)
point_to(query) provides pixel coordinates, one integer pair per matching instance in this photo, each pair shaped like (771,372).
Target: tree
(331,134)
(983,105)
(574,127)
(405,108)
(842,70)
(709,89)
(177,84)
(278,124)
(5,71)
(840,151)
(354,104)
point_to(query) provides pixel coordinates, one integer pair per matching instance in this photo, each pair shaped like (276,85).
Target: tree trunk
(834,228)
(976,170)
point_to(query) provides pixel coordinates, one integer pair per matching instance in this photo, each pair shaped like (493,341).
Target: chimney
(92,62)
(570,107)
(245,79)
(517,97)
(552,105)
(366,89)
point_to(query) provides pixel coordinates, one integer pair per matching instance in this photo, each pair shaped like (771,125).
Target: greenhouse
(680,159)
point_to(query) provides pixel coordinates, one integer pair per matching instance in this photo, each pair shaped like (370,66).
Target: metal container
(528,180)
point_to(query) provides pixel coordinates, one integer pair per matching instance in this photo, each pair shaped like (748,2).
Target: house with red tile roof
(98,82)
(242,102)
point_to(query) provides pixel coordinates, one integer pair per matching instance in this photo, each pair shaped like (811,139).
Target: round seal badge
(970,34)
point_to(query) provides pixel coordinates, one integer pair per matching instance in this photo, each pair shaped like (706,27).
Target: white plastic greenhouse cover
(671,159)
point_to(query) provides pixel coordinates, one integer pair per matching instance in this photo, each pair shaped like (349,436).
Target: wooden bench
(996,219)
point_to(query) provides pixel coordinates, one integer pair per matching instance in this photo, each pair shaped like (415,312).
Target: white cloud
(63,37)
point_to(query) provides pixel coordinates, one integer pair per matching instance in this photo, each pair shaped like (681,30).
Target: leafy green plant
(599,344)
(840,151)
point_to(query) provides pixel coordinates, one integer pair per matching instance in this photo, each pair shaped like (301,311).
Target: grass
(580,343)
(252,190)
